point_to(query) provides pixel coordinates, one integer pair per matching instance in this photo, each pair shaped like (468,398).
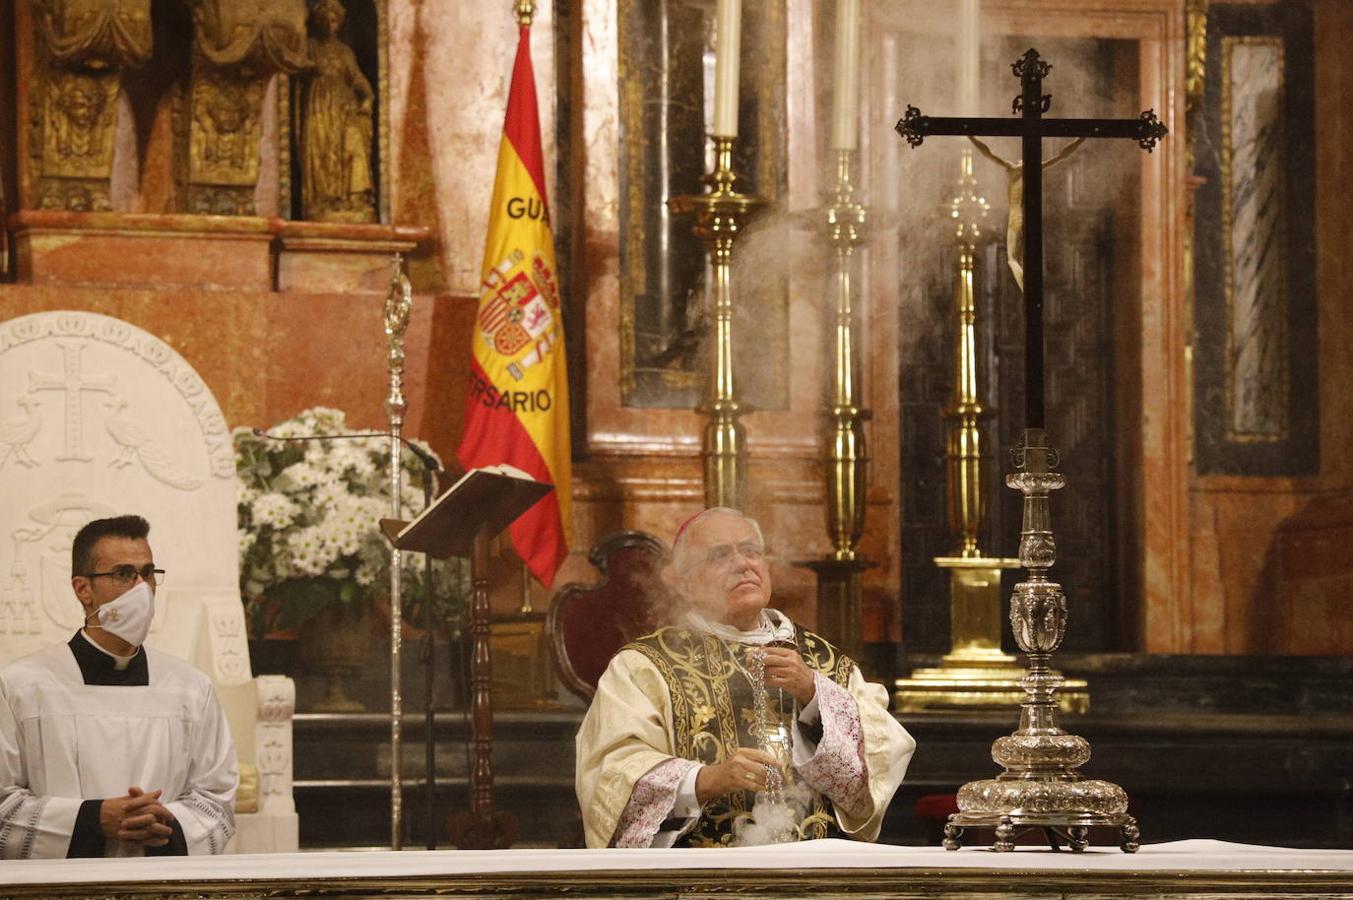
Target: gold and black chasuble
(714,713)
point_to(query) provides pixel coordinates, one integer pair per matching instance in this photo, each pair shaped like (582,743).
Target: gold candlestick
(967,500)
(720,215)
(847,480)
(975,673)
(1040,787)
(845,220)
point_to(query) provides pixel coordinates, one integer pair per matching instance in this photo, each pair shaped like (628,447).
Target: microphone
(427,459)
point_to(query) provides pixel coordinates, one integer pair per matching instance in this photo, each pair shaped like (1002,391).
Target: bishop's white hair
(681,543)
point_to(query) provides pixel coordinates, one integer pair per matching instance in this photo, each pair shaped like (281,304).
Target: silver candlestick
(1040,786)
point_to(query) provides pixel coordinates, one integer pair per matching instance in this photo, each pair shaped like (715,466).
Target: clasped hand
(138,818)
(786,669)
(746,770)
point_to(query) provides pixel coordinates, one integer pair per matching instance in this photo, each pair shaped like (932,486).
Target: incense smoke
(783,264)
(784,254)
(773,823)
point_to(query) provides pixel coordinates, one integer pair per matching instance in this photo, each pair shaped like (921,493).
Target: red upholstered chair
(588,623)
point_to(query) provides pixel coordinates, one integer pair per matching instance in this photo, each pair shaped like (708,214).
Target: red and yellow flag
(518,407)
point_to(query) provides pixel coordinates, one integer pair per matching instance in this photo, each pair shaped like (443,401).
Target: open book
(486,499)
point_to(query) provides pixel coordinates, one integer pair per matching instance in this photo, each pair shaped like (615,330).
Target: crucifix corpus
(1040,787)
(1032,128)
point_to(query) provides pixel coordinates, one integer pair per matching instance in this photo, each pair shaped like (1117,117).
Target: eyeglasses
(125,576)
(722,554)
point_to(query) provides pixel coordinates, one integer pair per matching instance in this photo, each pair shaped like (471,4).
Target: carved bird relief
(136,444)
(17,434)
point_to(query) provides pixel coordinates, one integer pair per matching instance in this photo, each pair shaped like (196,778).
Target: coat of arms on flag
(520,309)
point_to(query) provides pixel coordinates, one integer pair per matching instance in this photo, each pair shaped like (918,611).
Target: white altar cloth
(1194,856)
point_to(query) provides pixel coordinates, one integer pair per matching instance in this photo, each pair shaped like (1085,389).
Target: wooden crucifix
(1032,128)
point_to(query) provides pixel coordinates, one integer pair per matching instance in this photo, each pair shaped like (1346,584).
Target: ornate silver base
(1040,788)
(1070,827)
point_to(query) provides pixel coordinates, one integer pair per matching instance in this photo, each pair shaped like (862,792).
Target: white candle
(727,52)
(846,76)
(969,56)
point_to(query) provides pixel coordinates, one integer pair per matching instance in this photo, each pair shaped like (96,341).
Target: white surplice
(64,741)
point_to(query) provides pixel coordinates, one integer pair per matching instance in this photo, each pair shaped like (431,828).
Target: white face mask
(129,616)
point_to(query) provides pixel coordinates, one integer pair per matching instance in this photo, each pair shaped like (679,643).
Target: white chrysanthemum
(411,491)
(305,549)
(312,510)
(366,575)
(346,525)
(246,541)
(362,466)
(328,494)
(305,475)
(273,509)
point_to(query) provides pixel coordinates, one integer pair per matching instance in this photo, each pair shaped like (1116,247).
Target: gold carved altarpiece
(84,47)
(230,74)
(238,47)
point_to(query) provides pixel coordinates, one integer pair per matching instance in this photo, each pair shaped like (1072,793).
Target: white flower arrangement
(308,524)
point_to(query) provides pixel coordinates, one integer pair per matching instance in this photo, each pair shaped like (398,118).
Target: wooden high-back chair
(588,623)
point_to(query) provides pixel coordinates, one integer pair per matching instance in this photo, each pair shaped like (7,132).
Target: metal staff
(398,303)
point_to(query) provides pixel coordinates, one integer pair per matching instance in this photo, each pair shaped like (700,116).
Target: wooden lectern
(461,522)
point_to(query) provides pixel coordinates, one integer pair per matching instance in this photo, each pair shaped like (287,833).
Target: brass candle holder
(1040,787)
(976,673)
(845,220)
(720,215)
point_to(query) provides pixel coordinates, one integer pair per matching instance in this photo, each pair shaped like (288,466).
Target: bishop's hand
(785,669)
(745,770)
(138,818)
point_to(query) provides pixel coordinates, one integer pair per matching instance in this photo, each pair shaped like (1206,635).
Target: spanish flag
(518,407)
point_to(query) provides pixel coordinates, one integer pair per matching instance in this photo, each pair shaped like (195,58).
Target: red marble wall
(269,355)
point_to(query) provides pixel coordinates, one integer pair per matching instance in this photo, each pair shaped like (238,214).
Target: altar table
(830,868)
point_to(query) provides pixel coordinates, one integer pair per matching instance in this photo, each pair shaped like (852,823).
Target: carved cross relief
(161,429)
(72,385)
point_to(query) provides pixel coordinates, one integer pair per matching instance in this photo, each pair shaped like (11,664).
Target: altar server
(108,748)
(734,726)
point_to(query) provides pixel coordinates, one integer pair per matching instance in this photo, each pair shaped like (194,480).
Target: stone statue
(1014,185)
(336,127)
